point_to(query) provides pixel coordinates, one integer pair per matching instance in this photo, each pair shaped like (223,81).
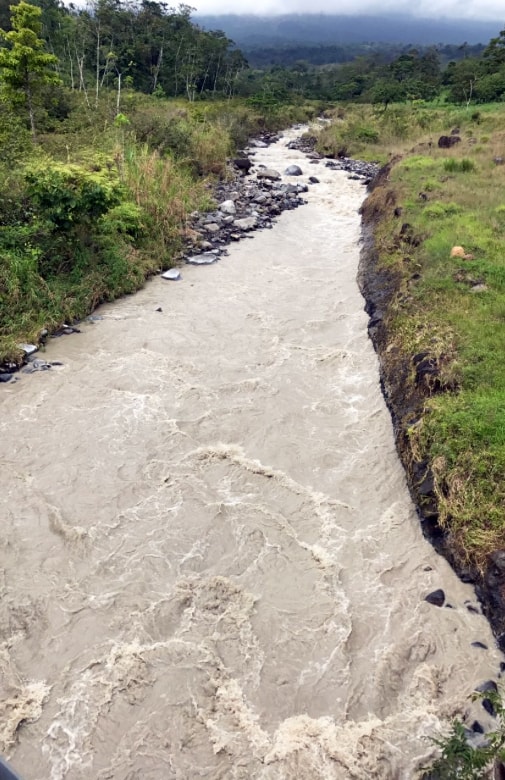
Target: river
(211,566)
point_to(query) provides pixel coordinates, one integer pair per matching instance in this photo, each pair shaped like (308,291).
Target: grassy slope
(450,310)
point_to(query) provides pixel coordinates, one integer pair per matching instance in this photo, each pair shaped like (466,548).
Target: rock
(228,207)
(446,141)
(173,275)
(457,251)
(489,707)
(313,180)
(499,160)
(485,687)
(293,170)
(247,223)
(243,164)
(5,377)
(437,598)
(207,258)
(259,144)
(159,309)
(37,365)
(212,227)
(28,349)
(268,173)
(206,246)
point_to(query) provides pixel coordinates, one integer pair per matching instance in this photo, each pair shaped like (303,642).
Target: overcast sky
(462,9)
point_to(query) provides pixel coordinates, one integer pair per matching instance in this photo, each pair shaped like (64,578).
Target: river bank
(425,362)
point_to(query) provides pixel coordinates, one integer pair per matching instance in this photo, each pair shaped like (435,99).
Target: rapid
(210,563)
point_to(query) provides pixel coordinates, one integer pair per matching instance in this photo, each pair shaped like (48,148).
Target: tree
(25,68)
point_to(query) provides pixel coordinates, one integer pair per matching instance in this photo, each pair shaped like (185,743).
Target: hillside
(251,30)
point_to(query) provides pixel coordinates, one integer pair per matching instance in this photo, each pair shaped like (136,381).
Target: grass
(452,308)
(104,201)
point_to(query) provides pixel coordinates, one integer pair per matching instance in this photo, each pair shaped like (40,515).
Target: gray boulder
(228,207)
(293,170)
(268,173)
(173,275)
(247,223)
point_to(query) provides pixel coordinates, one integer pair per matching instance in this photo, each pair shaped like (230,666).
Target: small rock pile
(359,169)
(245,205)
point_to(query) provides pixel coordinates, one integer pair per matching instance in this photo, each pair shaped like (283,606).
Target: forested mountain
(249,30)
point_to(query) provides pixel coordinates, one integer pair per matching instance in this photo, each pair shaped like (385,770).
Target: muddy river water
(210,563)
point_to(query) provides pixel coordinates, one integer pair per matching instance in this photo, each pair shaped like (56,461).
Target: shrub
(459,166)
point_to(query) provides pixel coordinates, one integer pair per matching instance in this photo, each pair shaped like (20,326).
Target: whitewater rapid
(211,566)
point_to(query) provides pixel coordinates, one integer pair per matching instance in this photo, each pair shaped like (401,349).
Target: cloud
(461,9)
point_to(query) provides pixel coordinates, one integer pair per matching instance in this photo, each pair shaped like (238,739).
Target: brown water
(211,567)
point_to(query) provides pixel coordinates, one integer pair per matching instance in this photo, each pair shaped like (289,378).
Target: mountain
(250,30)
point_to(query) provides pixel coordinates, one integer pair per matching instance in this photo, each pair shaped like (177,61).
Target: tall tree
(25,67)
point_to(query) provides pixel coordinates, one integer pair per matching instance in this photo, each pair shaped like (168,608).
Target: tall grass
(167,193)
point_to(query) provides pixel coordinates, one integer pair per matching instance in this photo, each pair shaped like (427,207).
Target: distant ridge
(250,30)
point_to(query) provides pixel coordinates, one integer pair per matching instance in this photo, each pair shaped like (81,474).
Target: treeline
(476,75)
(290,54)
(147,46)
(152,48)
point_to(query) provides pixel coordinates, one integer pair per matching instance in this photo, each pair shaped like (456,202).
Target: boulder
(436,597)
(293,170)
(28,349)
(457,251)
(207,258)
(228,207)
(446,141)
(173,275)
(268,173)
(243,164)
(247,223)
(212,227)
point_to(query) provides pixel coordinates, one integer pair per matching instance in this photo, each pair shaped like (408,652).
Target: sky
(461,9)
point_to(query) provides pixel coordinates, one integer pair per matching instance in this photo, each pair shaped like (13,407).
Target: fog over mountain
(478,10)
(250,30)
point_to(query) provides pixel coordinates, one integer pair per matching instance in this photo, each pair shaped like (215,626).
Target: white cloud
(461,9)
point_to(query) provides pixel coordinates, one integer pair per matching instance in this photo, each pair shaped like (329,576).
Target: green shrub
(452,165)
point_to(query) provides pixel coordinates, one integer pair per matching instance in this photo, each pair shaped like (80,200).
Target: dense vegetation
(97,178)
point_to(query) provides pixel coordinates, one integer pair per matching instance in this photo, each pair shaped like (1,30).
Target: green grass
(455,310)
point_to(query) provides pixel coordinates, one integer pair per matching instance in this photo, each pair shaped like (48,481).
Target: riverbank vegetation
(439,228)
(97,177)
